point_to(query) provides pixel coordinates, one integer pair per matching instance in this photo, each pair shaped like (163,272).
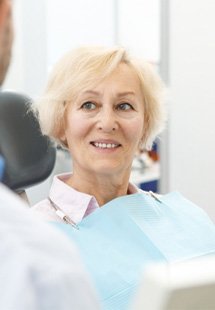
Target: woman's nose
(107,121)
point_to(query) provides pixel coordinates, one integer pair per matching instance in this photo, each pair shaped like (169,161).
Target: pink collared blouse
(73,203)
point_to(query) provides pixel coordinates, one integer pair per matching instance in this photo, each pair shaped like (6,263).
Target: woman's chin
(109,169)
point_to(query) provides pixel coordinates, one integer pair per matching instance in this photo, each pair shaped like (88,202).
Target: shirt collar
(75,204)
(72,202)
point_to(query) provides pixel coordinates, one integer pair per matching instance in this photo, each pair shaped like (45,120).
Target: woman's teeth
(105,145)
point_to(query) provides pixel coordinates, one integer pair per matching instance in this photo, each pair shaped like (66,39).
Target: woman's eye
(88,105)
(124,106)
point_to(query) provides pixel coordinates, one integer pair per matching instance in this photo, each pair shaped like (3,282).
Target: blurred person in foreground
(39,268)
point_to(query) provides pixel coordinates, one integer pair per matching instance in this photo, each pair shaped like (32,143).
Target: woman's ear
(141,145)
(2,13)
(63,140)
(63,127)
(5,12)
(61,135)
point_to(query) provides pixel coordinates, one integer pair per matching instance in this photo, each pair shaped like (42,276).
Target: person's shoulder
(9,199)
(44,210)
(40,207)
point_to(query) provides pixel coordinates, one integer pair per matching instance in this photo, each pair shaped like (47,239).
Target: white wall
(130,23)
(15,76)
(139,27)
(74,23)
(28,72)
(191,74)
(46,29)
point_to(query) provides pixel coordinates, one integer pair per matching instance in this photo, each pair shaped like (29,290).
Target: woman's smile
(105,145)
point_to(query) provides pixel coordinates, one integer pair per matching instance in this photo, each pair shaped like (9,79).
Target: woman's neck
(103,188)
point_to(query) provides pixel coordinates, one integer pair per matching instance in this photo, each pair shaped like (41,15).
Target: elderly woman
(103,105)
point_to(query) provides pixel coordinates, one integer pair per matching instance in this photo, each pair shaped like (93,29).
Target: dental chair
(29,156)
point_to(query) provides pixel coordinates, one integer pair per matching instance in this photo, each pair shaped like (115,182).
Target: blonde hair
(85,67)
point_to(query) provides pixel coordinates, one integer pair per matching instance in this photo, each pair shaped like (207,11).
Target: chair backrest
(29,156)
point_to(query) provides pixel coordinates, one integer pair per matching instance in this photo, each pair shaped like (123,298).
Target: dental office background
(177,36)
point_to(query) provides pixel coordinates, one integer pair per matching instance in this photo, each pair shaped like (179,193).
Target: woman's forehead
(122,74)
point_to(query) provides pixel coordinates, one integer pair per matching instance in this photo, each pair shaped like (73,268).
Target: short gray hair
(87,66)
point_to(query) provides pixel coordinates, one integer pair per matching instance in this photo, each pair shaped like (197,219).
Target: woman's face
(105,125)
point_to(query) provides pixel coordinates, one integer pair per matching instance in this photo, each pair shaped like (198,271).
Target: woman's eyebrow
(121,94)
(91,92)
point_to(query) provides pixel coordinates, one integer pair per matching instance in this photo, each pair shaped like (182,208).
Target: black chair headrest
(29,156)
